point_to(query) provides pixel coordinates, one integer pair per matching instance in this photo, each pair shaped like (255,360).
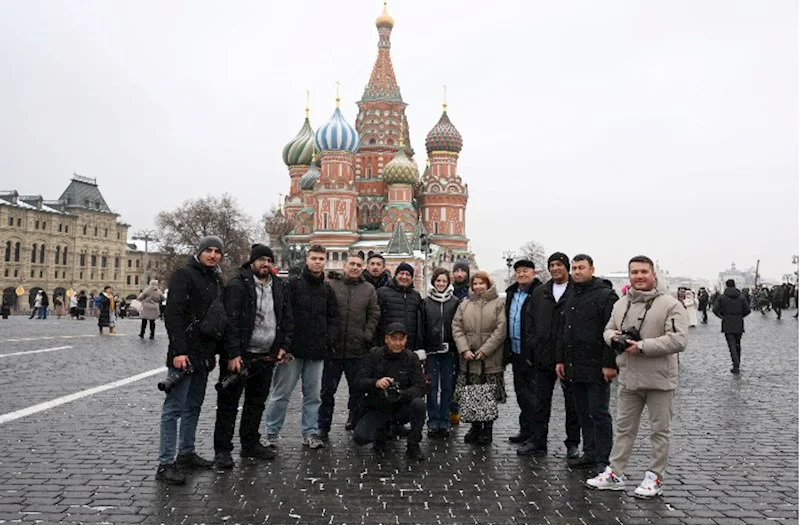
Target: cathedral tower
(297,157)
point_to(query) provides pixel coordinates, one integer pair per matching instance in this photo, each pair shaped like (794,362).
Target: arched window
(361,253)
(64,257)
(58,254)
(8,251)
(364,215)
(335,256)
(369,170)
(41,253)
(17,248)
(33,252)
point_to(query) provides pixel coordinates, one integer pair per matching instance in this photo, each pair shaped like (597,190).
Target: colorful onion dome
(401,169)
(444,136)
(337,135)
(384,20)
(310,177)
(299,150)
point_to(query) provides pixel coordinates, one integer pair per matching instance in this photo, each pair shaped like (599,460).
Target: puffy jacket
(193,288)
(581,347)
(312,316)
(732,307)
(399,304)
(544,321)
(240,305)
(359,314)
(404,367)
(664,328)
(436,321)
(480,325)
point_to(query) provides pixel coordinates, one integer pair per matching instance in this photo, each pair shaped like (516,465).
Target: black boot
(485,436)
(472,434)
(351,418)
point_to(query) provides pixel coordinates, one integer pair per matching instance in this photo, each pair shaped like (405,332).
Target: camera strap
(647,306)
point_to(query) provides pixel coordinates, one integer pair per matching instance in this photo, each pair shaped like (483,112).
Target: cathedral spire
(382,83)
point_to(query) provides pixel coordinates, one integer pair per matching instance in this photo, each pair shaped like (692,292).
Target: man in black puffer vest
(192,290)
(400,303)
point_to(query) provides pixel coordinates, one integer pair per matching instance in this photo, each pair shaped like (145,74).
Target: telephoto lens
(173,378)
(232,379)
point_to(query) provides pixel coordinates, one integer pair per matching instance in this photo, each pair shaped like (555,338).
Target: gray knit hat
(210,241)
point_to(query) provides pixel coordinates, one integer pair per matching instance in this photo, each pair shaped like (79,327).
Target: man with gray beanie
(190,356)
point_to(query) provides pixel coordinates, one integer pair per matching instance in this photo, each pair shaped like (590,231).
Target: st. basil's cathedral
(366,195)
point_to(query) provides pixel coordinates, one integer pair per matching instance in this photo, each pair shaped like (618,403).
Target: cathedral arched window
(335,256)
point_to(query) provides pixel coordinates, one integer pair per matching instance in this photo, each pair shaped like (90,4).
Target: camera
(392,393)
(233,379)
(627,337)
(173,378)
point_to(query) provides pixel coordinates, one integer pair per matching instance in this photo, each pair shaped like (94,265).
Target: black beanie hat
(260,250)
(404,267)
(524,263)
(461,265)
(560,257)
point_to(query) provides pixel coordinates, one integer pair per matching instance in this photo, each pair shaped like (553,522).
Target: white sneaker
(313,441)
(649,487)
(606,480)
(271,441)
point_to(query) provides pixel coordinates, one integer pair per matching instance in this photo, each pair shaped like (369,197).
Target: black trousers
(544,382)
(256,390)
(152,326)
(525,389)
(735,346)
(375,425)
(591,403)
(705,314)
(331,376)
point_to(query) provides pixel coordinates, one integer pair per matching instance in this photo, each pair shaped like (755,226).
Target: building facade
(73,243)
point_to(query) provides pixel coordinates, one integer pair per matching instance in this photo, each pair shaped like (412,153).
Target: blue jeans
(441,368)
(283,382)
(331,375)
(182,402)
(43,312)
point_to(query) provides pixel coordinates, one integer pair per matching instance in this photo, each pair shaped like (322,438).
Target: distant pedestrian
(82,302)
(690,302)
(5,309)
(45,305)
(732,308)
(150,299)
(703,303)
(778,299)
(36,304)
(105,316)
(58,301)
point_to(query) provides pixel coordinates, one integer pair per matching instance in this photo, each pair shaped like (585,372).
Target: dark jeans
(591,403)
(182,403)
(331,375)
(256,391)
(544,382)
(735,347)
(525,389)
(152,326)
(441,368)
(376,425)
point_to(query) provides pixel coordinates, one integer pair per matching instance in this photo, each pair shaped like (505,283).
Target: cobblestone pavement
(92,460)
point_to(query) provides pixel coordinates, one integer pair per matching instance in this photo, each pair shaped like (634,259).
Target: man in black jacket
(254,302)
(358,318)
(393,381)
(400,303)
(702,301)
(193,289)
(586,362)
(376,273)
(545,320)
(732,307)
(312,327)
(518,302)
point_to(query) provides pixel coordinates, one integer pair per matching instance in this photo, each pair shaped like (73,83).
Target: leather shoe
(170,474)
(530,449)
(581,461)
(414,452)
(323,435)
(518,438)
(223,460)
(573,452)
(258,451)
(192,461)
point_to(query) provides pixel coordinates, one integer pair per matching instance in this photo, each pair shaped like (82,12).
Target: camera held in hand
(392,393)
(628,337)
(173,378)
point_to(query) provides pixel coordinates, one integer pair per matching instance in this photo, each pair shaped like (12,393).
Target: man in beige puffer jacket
(648,374)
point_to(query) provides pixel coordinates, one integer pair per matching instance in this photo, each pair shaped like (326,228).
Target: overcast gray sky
(611,128)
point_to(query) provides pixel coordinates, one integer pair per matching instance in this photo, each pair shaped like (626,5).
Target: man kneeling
(392,380)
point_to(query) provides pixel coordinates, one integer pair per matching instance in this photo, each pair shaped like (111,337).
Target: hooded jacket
(312,316)
(664,329)
(151,299)
(436,321)
(399,304)
(359,314)
(480,325)
(543,322)
(732,307)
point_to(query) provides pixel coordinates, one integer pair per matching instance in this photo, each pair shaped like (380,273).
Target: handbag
(477,400)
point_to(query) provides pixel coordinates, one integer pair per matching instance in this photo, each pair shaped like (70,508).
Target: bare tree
(180,230)
(533,251)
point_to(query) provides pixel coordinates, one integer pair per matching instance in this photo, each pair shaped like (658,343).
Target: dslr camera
(392,392)
(173,378)
(628,336)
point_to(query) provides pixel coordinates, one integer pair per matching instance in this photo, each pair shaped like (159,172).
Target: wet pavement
(93,459)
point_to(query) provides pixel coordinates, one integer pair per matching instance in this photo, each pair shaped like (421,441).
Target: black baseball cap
(396,327)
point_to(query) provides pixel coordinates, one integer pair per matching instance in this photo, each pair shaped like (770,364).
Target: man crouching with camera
(647,329)
(393,381)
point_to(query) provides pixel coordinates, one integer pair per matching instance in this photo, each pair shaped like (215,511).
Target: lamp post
(146,236)
(508,256)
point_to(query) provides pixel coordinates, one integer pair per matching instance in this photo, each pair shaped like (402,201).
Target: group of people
(408,359)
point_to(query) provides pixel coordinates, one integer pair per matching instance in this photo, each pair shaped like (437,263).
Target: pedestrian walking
(703,303)
(37,304)
(648,329)
(151,299)
(732,308)
(45,305)
(690,302)
(105,315)
(778,299)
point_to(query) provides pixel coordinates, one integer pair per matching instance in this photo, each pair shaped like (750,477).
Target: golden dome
(384,20)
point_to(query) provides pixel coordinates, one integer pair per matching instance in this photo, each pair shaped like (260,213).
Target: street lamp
(508,256)
(146,236)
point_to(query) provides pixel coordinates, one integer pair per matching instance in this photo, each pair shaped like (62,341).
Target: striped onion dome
(400,170)
(310,177)
(444,136)
(337,135)
(299,150)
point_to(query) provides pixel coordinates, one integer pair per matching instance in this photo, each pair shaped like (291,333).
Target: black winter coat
(545,323)
(702,299)
(581,347)
(732,308)
(240,305)
(436,324)
(380,282)
(192,289)
(312,317)
(359,314)
(525,356)
(399,304)
(103,310)
(404,367)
